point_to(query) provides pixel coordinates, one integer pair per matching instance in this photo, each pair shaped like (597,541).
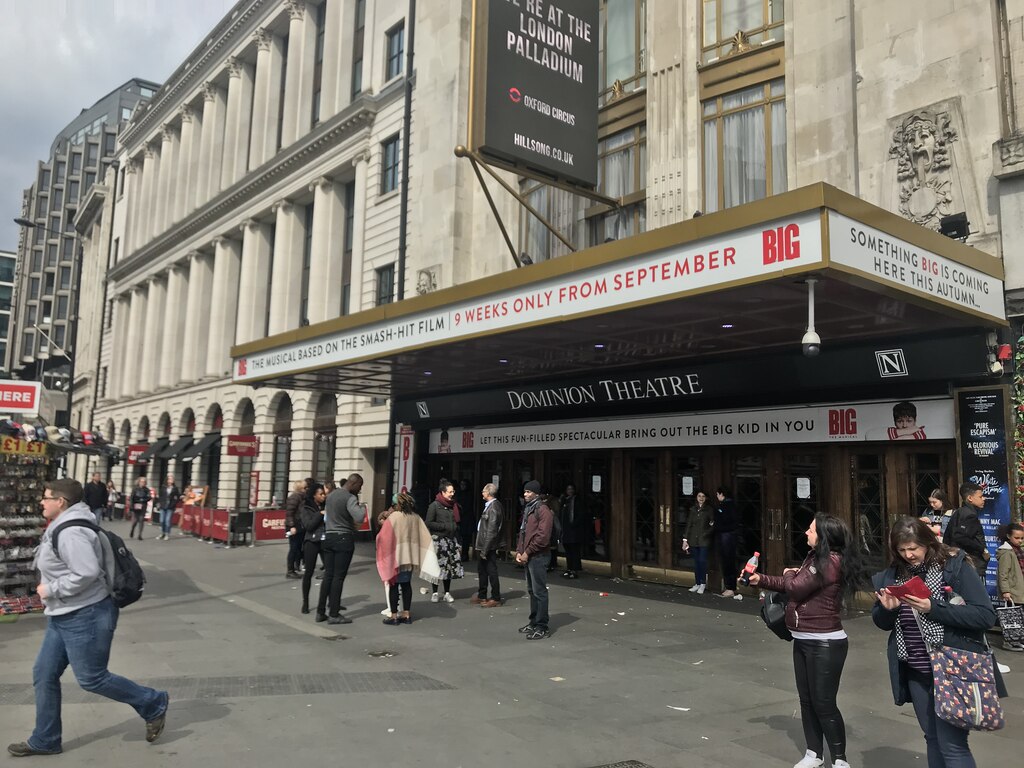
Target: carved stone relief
(426,280)
(930,169)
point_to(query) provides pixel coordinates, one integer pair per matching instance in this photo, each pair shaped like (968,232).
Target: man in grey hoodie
(81,618)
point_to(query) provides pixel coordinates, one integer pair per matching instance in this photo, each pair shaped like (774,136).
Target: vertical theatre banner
(981,417)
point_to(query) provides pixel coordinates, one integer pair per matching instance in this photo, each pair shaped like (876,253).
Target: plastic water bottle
(952,597)
(749,569)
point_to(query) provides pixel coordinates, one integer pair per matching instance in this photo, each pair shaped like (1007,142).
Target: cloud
(61,56)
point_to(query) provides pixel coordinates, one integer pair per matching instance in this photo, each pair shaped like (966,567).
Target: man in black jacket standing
(95,496)
(166,501)
(342,514)
(964,530)
(727,523)
(487,539)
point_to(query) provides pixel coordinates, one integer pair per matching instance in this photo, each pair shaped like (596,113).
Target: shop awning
(154,449)
(197,449)
(726,285)
(175,449)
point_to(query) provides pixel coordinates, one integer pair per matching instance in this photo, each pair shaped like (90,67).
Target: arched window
(282,458)
(247,424)
(325,432)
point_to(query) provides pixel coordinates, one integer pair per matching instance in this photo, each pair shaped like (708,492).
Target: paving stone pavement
(647,676)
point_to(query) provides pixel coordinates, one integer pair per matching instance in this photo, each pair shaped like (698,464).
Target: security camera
(811,343)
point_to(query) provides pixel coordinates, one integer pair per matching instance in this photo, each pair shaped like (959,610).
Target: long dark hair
(834,536)
(942,496)
(311,488)
(910,530)
(1004,531)
(405,504)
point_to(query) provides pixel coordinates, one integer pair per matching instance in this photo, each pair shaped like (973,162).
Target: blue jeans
(537,586)
(166,517)
(700,564)
(82,638)
(947,744)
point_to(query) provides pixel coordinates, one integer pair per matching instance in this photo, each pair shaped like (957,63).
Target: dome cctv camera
(811,343)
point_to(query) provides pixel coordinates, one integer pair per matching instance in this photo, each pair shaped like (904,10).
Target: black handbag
(773,613)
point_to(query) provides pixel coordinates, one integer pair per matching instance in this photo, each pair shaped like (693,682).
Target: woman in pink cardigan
(403,546)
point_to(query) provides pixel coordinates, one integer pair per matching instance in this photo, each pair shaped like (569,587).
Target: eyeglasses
(54,498)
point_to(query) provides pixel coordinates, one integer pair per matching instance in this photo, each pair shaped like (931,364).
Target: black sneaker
(321,616)
(293,575)
(528,628)
(23,749)
(338,620)
(539,633)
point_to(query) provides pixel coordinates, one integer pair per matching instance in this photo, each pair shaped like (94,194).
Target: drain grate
(186,689)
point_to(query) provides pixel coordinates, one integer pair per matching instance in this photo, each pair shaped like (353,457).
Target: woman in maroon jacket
(816,590)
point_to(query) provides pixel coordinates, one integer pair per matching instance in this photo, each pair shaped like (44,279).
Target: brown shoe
(491,603)
(476,599)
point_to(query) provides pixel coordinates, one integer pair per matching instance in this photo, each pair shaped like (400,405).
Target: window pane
(741,15)
(620,50)
(779,178)
(743,155)
(710,22)
(743,98)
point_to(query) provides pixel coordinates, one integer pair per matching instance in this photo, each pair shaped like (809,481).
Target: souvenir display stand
(24,467)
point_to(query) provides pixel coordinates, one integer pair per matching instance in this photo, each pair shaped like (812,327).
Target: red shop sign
(243,445)
(135,451)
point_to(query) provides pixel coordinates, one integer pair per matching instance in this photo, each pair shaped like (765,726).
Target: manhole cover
(381,654)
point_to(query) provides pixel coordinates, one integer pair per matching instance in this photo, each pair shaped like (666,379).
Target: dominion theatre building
(644,370)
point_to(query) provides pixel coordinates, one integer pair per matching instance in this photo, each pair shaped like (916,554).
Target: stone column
(355,302)
(211,148)
(223,305)
(286,271)
(236,130)
(183,167)
(153,341)
(267,98)
(165,181)
(134,339)
(197,309)
(254,281)
(336,72)
(117,374)
(325,263)
(145,217)
(132,192)
(170,367)
(298,86)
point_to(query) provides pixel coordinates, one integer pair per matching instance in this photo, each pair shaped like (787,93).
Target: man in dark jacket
(727,523)
(574,531)
(532,550)
(487,540)
(138,502)
(293,528)
(166,501)
(964,530)
(95,496)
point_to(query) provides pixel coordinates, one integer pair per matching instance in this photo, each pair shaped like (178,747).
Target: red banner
(186,519)
(135,451)
(268,525)
(219,523)
(243,445)
(205,522)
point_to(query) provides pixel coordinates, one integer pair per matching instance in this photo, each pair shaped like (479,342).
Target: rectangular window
(59,175)
(57,199)
(622,47)
(357,48)
(395,44)
(47,313)
(389,165)
(76,163)
(37,262)
(760,21)
(92,154)
(145,92)
(62,307)
(90,179)
(126,113)
(49,283)
(318,61)
(307,258)
(386,284)
(348,238)
(54,226)
(120,182)
(103,381)
(270,271)
(109,316)
(65,278)
(67,249)
(42,205)
(73,191)
(44,179)
(33,288)
(69,220)
(114,250)
(40,236)
(30,315)
(28,347)
(745,145)
(621,172)
(58,336)
(51,255)
(109,144)
(562,209)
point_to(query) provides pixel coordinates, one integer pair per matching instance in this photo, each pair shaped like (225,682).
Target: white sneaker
(728,593)
(737,596)
(448,597)
(433,597)
(695,588)
(701,588)
(386,612)
(840,764)
(810,760)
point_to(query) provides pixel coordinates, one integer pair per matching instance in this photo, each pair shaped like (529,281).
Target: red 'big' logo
(467,439)
(781,244)
(842,422)
(242,366)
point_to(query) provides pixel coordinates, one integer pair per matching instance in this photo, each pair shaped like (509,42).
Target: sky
(58,57)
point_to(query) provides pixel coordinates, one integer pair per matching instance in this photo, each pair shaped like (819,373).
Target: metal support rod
(494,210)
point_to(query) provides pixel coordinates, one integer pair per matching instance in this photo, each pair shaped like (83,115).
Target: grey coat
(76,577)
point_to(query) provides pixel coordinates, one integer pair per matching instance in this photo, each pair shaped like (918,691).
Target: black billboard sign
(981,417)
(535,86)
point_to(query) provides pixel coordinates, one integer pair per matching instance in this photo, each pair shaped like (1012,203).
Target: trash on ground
(695,663)
(678,709)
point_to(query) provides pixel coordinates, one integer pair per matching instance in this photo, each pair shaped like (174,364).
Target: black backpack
(128,579)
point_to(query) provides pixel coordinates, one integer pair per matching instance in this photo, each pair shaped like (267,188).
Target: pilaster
(223,305)
(211,148)
(197,308)
(362,164)
(236,131)
(254,281)
(156,295)
(298,87)
(325,267)
(170,367)
(286,271)
(266,98)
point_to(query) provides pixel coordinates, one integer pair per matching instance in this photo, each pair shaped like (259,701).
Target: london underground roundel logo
(515,95)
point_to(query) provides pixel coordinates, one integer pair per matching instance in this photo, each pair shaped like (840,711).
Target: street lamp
(72,319)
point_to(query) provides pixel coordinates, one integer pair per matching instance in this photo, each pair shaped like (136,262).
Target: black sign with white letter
(536,85)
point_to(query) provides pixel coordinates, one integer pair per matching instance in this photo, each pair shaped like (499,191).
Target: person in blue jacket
(915,551)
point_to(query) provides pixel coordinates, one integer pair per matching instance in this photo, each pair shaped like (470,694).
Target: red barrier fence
(268,525)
